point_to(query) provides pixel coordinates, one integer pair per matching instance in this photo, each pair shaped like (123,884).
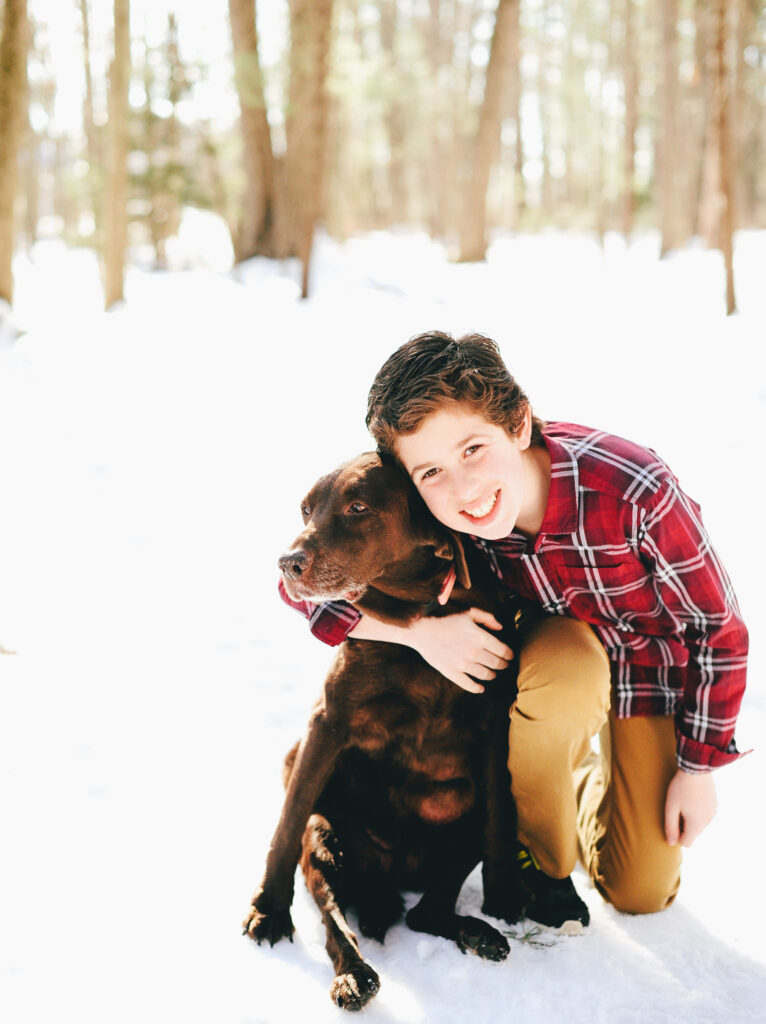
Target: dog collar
(447,586)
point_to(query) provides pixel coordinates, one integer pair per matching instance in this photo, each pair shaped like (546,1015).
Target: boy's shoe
(552,901)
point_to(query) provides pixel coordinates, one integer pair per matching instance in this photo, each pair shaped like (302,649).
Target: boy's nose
(467,488)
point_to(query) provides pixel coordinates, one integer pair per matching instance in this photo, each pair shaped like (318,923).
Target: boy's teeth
(482,510)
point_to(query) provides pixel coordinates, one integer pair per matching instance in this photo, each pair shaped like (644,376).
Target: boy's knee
(567,652)
(640,891)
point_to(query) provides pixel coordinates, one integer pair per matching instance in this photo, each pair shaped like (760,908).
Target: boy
(643,641)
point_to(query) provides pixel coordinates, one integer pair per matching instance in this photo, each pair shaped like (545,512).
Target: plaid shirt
(623,548)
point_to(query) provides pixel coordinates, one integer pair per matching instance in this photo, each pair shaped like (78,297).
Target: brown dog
(400,782)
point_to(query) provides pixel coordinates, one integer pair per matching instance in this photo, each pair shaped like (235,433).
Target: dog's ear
(451,546)
(446,543)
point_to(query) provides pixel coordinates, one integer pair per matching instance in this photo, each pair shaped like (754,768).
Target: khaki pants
(606,808)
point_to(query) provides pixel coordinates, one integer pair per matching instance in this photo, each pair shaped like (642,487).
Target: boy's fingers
(498,649)
(482,672)
(484,618)
(499,662)
(491,643)
(672,818)
(466,683)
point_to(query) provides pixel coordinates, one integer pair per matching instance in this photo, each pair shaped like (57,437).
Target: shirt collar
(561,512)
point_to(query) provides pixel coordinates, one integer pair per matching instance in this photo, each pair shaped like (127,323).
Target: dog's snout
(295,563)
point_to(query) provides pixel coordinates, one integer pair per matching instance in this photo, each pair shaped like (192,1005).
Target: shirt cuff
(696,757)
(333,621)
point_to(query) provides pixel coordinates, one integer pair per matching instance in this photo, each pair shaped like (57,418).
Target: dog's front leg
(269,916)
(503,893)
(435,913)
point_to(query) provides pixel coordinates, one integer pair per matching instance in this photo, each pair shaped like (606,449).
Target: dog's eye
(305,511)
(356,508)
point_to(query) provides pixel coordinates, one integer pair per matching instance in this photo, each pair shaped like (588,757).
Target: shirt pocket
(622,593)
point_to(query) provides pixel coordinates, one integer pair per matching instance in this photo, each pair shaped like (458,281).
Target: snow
(152,462)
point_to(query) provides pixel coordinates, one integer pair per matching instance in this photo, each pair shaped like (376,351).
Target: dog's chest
(420,714)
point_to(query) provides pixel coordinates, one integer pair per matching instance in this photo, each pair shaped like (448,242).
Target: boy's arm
(330,622)
(458,646)
(694,586)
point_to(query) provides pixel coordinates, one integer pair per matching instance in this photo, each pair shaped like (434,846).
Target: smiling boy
(643,642)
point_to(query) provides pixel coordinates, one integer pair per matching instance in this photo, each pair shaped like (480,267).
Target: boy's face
(471,473)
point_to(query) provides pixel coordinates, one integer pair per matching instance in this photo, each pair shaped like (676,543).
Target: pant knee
(639,892)
(563,672)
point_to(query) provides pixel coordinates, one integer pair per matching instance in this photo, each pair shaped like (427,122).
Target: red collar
(447,586)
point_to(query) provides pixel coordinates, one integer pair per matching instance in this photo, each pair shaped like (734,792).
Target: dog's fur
(400,782)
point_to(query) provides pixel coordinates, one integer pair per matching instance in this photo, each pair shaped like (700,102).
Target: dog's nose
(295,563)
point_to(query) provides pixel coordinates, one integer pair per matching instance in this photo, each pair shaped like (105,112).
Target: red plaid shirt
(623,548)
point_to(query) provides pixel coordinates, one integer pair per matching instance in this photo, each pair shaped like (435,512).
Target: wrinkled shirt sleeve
(330,622)
(694,586)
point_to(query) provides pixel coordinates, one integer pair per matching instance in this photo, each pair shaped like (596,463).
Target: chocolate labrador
(400,782)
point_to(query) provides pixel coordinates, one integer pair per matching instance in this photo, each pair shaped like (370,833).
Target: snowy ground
(151,464)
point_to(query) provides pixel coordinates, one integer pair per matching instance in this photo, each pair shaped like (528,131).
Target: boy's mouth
(483,511)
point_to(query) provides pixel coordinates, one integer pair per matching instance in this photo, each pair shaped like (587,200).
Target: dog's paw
(354,989)
(479,937)
(270,926)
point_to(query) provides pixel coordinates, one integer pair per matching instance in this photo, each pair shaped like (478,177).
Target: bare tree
(310,25)
(669,198)
(87,108)
(473,226)
(13,87)
(722,109)
(261,228)
(116,198)
(630,79)
(396,126)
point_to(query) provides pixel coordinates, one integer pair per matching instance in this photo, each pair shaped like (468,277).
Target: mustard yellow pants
(606,808)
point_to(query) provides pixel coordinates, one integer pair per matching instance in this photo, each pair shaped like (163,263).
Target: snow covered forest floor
(151,465)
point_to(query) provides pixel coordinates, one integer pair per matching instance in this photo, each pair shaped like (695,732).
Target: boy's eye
(472,448)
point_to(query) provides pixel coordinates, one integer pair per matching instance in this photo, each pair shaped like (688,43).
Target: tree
(116,199)
(310,24)
(669,197)
(473,226)
(630,81)
(162,179)
(13,89)
(261,228)
(725,173)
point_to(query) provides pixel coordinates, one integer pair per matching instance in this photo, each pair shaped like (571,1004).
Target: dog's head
(362,523)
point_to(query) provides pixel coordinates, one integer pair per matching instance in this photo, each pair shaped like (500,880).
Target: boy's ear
(452,547)
(524,433)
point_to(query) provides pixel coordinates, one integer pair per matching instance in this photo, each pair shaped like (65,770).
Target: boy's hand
(690,806)
(460,646)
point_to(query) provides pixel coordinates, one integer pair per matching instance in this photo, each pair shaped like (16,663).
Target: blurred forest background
(463,118)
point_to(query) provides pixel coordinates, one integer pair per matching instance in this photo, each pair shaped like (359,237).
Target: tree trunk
(725,176)
(87,103)
(94,146)
(116,198)
(261,229)
(630,79)
(707,210)
(395,120)
(519,198)
(13,87)
(310,24)
(434,185)
(669,197)
(473,228)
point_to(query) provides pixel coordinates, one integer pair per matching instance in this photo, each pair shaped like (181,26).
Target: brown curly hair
(434,370)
